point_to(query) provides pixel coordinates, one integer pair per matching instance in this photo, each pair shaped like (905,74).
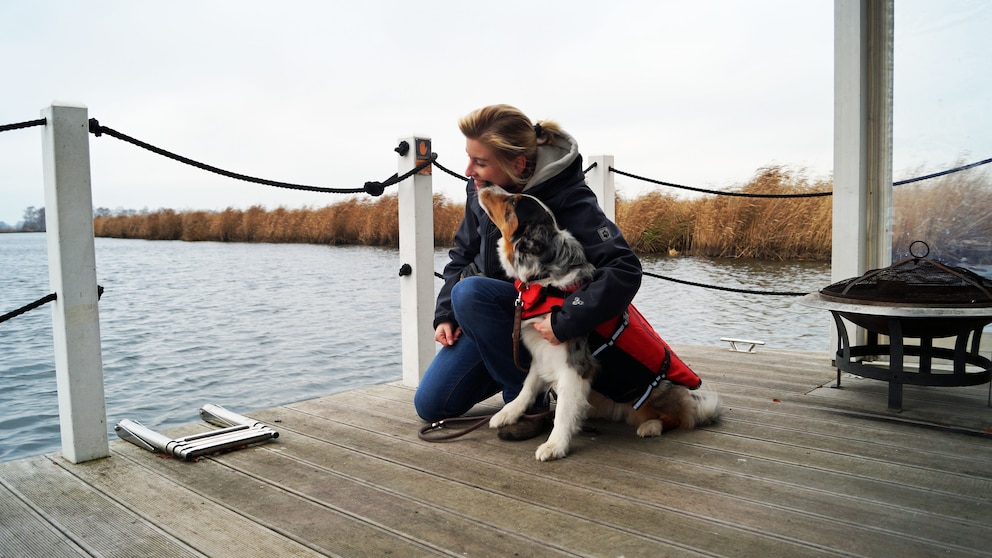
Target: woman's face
(482,167)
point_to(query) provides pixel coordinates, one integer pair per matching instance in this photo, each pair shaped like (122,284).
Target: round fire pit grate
(916,298)
(915,281)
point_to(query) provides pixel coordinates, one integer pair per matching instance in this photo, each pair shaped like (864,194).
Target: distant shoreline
(948,213)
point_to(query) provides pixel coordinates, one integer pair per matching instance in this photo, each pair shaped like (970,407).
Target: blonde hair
(509,133)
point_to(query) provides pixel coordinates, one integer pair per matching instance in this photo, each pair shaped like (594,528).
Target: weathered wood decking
(794,469)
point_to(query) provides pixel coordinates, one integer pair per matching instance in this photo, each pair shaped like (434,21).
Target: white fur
(555,365)
(549,367)
(550,364)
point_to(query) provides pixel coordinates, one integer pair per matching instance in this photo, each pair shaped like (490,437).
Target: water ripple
(252,326)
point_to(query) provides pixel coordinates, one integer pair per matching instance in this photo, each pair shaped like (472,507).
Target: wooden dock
(795,468)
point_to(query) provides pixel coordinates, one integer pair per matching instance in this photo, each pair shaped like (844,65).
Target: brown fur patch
(670,404)
(500,211)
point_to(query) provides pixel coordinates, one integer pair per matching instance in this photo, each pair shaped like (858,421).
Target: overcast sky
(702,93)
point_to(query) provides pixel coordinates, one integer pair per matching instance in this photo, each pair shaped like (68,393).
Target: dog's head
(533,247)
(515,215)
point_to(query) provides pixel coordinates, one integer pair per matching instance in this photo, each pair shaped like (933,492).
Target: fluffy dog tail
(706,408)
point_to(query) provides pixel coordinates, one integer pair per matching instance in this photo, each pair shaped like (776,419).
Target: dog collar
(537,300)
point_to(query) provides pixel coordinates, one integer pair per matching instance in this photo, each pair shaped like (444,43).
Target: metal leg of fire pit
(896,358)
(856,359)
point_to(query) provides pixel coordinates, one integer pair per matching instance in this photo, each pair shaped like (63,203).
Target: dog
(535,251)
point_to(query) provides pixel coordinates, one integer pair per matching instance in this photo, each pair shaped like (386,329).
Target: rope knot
(95,128)
(374,189)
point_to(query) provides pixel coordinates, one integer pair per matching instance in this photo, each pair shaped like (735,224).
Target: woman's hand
(544,328)
(446,335)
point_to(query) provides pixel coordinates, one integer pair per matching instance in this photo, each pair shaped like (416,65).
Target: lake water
(252,326)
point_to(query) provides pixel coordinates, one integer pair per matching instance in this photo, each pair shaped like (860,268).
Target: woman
(473,319)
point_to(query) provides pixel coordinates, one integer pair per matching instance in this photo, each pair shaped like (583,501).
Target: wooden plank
(793,470)
(964,407)
(891,441)
(202,523)
(325,525)
(766,518)
(537,500)
(447,515)
(24,531)
(97,524)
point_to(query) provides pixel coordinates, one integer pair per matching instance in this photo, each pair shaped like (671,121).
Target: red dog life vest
(635,359)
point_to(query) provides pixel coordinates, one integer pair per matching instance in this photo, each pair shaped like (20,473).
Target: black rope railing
(719,288)
(704,286)
(942,173)
(462,177)
(28,307)
(721,192)
(449,171)
(20,125)
(38,303)
(371,187)
(377,188)
(800,195)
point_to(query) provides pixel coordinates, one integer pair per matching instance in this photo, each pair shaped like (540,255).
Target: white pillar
(416,216)
(862,194)
(600,180)
(72,274)
(863,89)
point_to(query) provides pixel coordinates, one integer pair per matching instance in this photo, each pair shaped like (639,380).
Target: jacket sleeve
(618,270)
(467,246)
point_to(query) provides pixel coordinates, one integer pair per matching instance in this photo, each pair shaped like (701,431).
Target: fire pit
(915,298)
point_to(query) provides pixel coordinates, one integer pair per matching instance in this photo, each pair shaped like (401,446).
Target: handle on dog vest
(624,322)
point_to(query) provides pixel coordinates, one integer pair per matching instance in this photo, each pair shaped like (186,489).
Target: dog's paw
(549,451)
(503,418)
(649,429)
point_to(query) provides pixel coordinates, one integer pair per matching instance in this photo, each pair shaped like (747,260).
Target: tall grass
(949,213)
(768,228)
(373,222)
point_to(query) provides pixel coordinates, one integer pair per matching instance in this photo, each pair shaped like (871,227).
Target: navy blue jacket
(618,270)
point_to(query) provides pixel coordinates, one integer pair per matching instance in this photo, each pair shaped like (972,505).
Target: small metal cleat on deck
(238,431)
(737,345)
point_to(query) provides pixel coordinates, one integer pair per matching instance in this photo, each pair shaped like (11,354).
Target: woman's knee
(428,405)
(482,300)
(467,292)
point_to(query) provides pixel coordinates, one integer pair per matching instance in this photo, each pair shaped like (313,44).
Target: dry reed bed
(941,211)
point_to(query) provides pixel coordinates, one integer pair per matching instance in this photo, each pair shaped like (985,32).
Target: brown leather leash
(481,420)
(517,312)
(477,421)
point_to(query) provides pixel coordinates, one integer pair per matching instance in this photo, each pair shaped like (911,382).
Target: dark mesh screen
(915,281)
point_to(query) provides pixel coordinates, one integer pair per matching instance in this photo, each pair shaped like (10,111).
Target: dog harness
(637,358)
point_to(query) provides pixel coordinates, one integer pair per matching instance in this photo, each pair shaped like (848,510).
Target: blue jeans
(480,364)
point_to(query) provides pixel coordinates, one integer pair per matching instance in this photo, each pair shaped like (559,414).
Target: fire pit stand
(965,325)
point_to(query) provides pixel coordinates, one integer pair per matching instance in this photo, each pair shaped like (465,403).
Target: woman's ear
(519,164)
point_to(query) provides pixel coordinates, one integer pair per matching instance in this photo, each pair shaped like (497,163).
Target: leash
(477,422)
(517,317)
(440,425)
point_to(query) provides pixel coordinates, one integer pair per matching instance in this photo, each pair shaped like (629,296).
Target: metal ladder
(237,431)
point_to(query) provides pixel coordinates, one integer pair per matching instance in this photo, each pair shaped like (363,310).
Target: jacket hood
(553,159)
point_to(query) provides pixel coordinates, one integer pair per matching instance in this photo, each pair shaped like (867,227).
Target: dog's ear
(532,213)
(536,228)
(534,240)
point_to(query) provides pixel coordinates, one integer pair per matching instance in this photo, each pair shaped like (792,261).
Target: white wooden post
(600,180)
(863,89)
(416,229)
(72,274)
(862,220)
